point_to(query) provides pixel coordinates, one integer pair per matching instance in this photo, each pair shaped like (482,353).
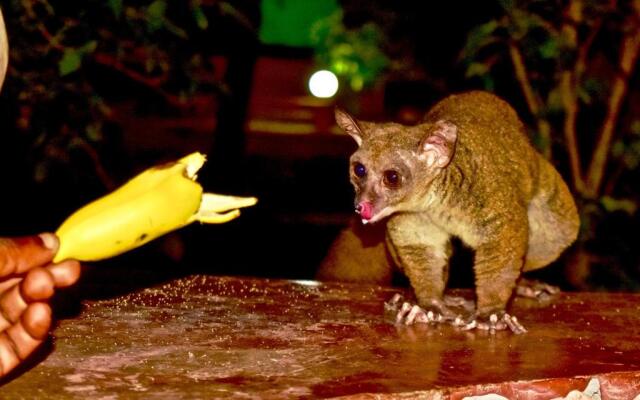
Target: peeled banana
(157,201)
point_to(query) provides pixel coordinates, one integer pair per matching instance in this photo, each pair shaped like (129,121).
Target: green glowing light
(289,22)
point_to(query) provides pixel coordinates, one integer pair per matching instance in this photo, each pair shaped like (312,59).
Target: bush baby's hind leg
(553,220)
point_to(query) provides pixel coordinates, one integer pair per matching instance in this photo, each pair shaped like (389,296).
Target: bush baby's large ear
(349,125)
(438,146)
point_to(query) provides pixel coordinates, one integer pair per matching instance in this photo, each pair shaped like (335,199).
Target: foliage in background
(355,54)
(411,46)
(573,62)
(70,60)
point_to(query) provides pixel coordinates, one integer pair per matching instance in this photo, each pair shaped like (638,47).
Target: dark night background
(133,83)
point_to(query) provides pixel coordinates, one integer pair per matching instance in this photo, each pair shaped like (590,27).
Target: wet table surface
(217,337)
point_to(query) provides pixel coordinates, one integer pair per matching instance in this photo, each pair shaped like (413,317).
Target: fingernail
(49,241)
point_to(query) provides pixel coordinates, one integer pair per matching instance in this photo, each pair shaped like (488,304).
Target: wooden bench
(216,337)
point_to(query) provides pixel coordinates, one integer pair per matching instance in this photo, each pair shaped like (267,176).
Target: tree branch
(570,105)
(629,50)
(613,178)
(568,93)
(533,101)
(98,166)
(155,83)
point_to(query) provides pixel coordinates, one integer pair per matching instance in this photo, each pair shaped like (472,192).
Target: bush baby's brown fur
(467,171)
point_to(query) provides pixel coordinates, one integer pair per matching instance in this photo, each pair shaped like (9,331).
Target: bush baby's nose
(364,209)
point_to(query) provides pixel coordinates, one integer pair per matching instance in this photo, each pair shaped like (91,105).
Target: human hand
(28,280)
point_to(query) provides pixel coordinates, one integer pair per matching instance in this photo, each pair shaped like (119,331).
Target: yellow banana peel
(157,201)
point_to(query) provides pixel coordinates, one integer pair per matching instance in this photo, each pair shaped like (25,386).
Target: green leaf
(507,5)
(554,101)
(631,156)
(94,132)
(72,57)
(157,9)
(550,49)
(635,127)
(89,47)
(116,7)
(155,14)
(488,83)
(357,83)
(631,160)
(70,62)
(200,17)
(584,95)
(539,141)
(521,23)
(611,204)
(479,38)
(618,149)
(227,9)
(476,69)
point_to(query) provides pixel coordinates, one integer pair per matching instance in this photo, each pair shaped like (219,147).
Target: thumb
(20,254)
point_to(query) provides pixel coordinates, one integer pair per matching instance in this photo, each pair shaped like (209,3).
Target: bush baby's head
(394,164)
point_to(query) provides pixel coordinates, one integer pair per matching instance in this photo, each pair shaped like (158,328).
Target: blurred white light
(323,84)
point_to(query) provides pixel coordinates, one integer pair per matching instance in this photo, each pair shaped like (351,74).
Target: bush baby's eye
(391,178)
(360,170)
